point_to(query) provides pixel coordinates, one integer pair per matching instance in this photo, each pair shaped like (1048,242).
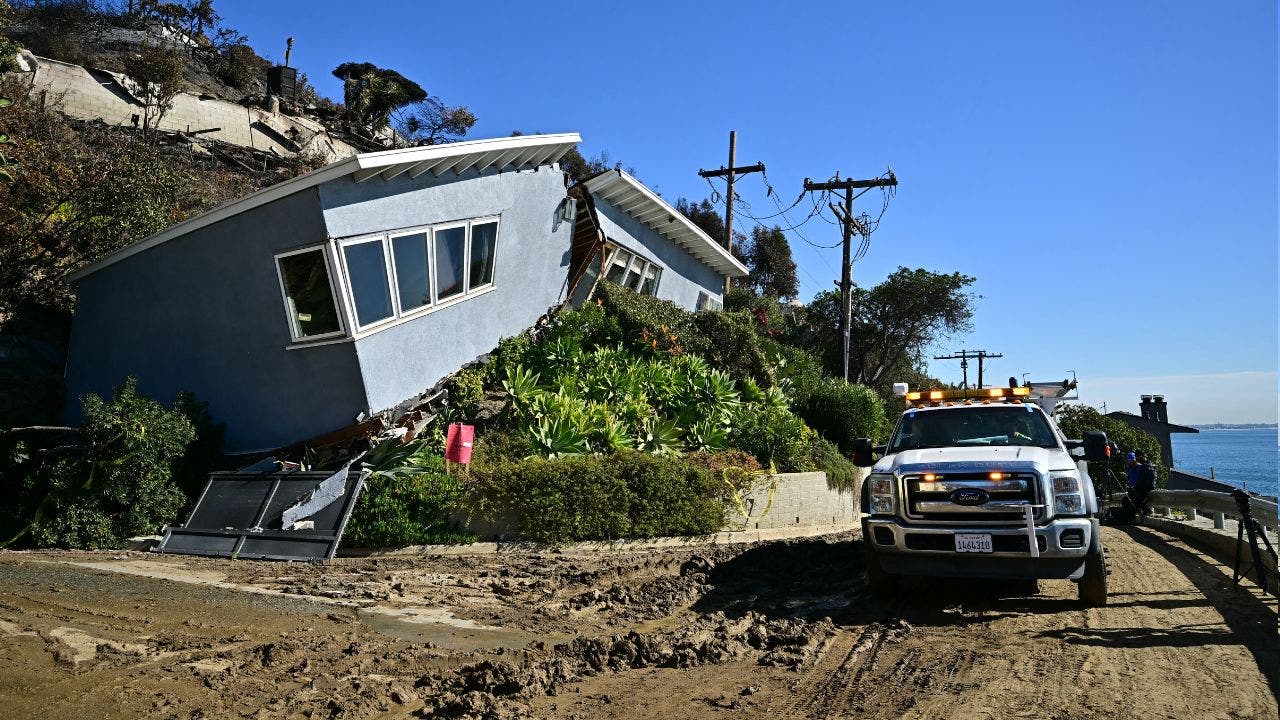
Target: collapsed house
(313,304)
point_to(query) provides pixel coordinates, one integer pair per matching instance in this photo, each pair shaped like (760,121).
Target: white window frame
(349,290)
(466,260)
(497,235)
(343,294)
(400,313)
(611,252)
(334,294)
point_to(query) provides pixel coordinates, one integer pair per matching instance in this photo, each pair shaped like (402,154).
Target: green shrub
(730,342)
(841,412)
(114,485)
(409,504)
(629,494)
(842,474)
(466,390)
(775,437)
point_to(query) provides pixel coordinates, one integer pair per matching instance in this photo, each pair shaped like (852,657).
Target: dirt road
(779,630)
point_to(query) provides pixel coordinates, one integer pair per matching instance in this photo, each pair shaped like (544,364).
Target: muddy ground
(781,630)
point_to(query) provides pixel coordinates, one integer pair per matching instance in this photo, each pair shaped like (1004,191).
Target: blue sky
(1106,170)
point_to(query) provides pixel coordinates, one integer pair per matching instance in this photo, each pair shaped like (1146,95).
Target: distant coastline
(1236,426)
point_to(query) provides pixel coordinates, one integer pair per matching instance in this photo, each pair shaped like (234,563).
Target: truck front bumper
(929,550)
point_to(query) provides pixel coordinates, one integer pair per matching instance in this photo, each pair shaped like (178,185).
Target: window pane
(450,247)
(650,285)
(483,239)
(413,278)
(367,273)
(633,275)
(618,268)
(310,297)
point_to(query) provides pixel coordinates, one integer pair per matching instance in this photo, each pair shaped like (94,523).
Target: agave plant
(659,436)
(611,435)
(521,384)
(707,435)
(559,437)
(751,391)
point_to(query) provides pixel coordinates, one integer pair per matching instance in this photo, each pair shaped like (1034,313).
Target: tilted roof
(501,153)
(631,196)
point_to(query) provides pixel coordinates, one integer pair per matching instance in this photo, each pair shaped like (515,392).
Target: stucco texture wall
(530,272)
(203,313)
(683,275)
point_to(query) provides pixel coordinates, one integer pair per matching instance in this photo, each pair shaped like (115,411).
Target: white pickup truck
(982,484)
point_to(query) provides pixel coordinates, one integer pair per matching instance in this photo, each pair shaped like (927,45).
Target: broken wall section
(92,94)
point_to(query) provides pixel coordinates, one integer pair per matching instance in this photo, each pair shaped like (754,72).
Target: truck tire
(1093,585)
(882,585)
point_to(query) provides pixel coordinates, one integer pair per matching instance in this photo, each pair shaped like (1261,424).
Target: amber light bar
(983,393)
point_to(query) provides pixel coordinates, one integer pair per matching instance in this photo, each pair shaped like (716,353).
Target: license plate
(973,543)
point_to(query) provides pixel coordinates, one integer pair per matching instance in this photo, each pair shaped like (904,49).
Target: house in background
(352,289)
(1154,420)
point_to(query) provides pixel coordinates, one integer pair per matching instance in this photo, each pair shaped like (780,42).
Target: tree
(371,94)
(201,16)
(431,122)
(768,257)
(159,73)
(893,324)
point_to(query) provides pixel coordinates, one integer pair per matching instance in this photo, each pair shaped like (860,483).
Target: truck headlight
(1070,504)
(1066,484)
(880,490)
(1067,496)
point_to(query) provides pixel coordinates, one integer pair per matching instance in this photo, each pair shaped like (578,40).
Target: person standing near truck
(1142,480)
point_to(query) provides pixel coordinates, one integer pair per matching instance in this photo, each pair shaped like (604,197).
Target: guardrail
(1216,504)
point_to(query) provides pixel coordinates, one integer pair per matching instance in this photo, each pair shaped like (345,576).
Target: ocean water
(1244,458)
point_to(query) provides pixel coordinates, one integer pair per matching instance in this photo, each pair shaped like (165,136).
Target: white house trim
(631,196)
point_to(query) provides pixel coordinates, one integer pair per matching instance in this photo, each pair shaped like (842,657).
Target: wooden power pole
(963,356)
(728,173)
(849,223)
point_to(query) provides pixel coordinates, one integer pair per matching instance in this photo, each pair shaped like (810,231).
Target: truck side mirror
(1096,448)
(862,453)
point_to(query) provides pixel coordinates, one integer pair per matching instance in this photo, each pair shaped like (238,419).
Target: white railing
(1218,505)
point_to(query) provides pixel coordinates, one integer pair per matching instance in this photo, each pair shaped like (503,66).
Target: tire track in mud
(838,672)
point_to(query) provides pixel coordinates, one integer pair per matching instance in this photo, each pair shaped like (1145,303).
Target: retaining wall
(790,500)
(91,94)
(802,504)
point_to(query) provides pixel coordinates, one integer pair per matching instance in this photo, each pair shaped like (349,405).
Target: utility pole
(849,223)
(963,356)
(729,173)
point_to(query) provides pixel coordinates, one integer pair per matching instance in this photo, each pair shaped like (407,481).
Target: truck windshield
(972,426)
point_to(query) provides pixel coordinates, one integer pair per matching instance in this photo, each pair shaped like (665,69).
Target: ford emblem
(969,496)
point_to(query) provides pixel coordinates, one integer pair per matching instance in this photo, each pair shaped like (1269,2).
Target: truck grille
(931,501)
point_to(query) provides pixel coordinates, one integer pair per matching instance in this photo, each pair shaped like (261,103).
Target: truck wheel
(1093,585)
(882,585)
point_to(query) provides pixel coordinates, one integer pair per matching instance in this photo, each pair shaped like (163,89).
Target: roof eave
(541,149)
(715,256)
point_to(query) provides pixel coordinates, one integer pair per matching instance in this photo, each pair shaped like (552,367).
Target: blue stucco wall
(530,272)
(202,312)
(683,275)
